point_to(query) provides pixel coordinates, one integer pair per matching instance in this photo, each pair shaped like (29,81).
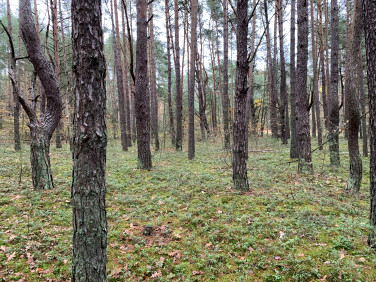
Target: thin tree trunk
(153,81)
(142,96)
(55,31)
(293,144)
(302,125)
(333,93)
(322,65)
(179,103)
(239,163)
(170,110)
(16,104)
(88,189)
(225,95)
(283,87)
(119,75)
(362,101)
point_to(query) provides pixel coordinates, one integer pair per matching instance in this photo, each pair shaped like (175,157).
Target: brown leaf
(197,272)
(156,274)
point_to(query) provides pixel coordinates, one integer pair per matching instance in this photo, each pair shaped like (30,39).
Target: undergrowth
(289,227)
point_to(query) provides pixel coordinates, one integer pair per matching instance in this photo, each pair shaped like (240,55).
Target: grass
(289,227)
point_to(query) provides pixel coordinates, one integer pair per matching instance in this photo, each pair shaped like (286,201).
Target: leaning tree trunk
(302,125)
(239,163)
(142,96)
(333,123)
(41,130)
(88,189)
(369,16)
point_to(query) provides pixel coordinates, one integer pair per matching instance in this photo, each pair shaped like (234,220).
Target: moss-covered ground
(289,227)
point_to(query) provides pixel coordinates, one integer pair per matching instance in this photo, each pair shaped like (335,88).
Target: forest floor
(289,227)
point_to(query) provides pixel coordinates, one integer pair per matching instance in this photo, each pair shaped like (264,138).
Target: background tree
(302,125)
(239,163)
(179,103)
(90,140)
(225,95)
(293,144)
(142,97)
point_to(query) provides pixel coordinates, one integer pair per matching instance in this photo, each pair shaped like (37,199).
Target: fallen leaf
(281,234)
(197,272)
(11,256)
(156,274)
(342,255)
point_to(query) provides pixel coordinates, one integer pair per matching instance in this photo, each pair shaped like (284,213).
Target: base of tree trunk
(355,174)
(334,152)
(40,159)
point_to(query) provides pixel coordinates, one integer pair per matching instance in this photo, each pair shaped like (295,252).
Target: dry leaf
(156,274)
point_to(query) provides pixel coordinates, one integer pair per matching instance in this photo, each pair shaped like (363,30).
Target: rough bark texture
(153,82)
(90,140)
(362,102)
(293,144)
(239,163)
(225,96)
(333,123)
(322,64)
(352,98)
(302,125)
(40,130)
(283,87)
(179,102)
(369,16)
(142,96)
(191,84)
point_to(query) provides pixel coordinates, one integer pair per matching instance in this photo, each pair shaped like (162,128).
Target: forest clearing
(289,227)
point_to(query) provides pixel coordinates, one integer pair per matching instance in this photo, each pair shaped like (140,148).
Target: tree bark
(369,17)
(88,189)
(225,96)
(293,144)
(169,82)
(153,82)
(179,102)
(322,65)
(191,85)
(41,130)
(356,168)
(362,101)
(119,76)
(303,133)
(142,96)
(239,163)
(283,87)
(16,103)
(333,123)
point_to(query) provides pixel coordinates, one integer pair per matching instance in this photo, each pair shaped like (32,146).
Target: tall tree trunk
(119,76)
(322,64)
(369,16)
(362,101)
(225,96)
(16,103)
(352,98)
(302,125)
(179,102)
(55,31)
(275,74)
(283,87)
(293,144)
(40,130)
(153,81)
(142,96)
(239,163)
(170,110)
(126,80)
(191,85)
(251,110)
(271,74)
(333,93)
(90,140)
(316,98)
